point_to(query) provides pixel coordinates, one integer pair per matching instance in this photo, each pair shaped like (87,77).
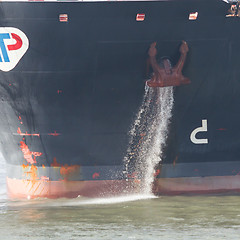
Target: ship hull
(172,179)
(70,101)
(26,189)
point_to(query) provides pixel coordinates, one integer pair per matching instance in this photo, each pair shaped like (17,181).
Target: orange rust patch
(29,155)
(32,173)
(27,134)
(55,134)
(55,163)
(24,166)
(157,172)
(138,181)
(95,175)
(68,170)
(134,175)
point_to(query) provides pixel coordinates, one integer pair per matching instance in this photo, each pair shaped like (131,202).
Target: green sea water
(133,217)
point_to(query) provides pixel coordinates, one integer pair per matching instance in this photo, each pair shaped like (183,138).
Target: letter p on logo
(13,45)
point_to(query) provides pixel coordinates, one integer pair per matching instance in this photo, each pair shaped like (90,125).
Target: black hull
(70,101)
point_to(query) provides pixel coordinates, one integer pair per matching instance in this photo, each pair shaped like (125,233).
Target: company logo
(13,45)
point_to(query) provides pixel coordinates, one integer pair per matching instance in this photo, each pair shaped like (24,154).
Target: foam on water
(80,201)
(110,200)
(114,200)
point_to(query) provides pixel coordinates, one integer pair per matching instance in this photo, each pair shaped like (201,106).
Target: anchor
(234,10)
(167,75)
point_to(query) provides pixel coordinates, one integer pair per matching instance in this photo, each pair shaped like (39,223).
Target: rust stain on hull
(28,155)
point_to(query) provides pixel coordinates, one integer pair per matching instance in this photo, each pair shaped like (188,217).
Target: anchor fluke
(166,75)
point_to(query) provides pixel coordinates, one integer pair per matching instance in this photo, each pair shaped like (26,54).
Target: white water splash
(79,201)
(148,135)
